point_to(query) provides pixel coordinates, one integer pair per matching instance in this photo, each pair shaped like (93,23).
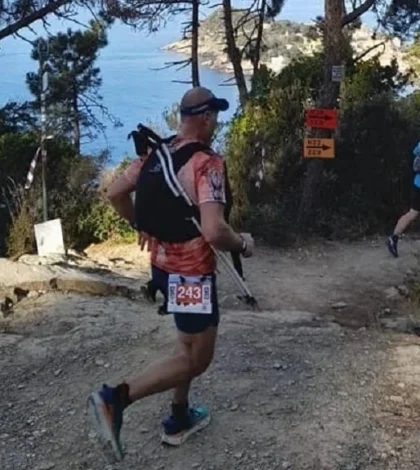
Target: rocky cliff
(282,41)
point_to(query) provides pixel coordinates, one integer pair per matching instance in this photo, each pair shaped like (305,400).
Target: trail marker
(319,148)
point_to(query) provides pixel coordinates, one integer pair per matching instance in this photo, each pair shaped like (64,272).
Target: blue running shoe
(176,431)
(392,244)
(107,416)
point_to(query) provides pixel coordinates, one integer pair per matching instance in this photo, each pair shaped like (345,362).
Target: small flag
(31,172)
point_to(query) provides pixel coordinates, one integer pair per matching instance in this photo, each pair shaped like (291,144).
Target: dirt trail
(292,387)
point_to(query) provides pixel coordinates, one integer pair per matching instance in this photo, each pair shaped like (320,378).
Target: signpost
(43,55)
(319,148)
(338,73)
(321,118)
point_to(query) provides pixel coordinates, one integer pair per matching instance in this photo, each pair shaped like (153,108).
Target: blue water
(133,91)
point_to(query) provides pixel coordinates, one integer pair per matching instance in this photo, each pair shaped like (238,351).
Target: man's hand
(250,244)
(144,241)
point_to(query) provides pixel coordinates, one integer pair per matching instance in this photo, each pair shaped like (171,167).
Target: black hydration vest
(158,212)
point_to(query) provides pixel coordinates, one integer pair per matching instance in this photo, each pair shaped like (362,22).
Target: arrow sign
(321,118)
(319,148)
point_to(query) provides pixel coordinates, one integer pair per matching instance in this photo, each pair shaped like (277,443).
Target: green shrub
(20,237)
(368,183)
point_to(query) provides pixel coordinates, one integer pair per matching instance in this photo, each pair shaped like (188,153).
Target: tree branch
(51,7)
(359,11)
(365,53)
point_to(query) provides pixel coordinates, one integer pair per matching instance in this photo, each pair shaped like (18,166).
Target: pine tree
(73,97)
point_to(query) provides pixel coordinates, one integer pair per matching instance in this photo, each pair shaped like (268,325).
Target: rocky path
(300,385)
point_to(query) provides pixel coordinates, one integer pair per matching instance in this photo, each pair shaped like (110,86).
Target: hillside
(282,41)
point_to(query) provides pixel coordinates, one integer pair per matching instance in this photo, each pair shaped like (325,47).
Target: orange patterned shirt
(202,177)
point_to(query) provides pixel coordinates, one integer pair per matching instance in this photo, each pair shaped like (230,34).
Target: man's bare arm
(119,195)
(216,230)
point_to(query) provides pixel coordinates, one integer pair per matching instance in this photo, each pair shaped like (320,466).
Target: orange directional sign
(321,118)
(319,148)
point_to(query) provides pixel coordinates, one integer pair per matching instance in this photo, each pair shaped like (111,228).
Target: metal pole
(44,85)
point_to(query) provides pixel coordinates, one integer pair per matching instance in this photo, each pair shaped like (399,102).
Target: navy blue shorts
(189,323)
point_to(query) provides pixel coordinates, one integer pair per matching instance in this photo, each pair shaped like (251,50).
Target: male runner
(410,216)
(203,179)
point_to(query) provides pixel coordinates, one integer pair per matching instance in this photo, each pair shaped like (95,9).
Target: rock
(239,455)
(45,466)
(234,407)
(396,399)
(391,293)
(387,311)
(403,290)
(339,305)
(6,306)
(99,362)
(20,293)
(64,278)
(286,465)
(33,294)
(58,372)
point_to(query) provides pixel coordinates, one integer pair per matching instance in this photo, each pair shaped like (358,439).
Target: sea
(137,86)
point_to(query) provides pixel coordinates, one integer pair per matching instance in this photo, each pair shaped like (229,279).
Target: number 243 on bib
(189,294)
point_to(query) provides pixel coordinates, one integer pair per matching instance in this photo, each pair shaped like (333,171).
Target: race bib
(189,294)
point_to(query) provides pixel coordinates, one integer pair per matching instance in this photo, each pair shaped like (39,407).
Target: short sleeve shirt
(203,178)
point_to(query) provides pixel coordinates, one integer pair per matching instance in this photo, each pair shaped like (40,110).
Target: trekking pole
(178,190)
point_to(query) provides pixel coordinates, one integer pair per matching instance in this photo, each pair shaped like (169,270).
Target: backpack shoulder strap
(186,152)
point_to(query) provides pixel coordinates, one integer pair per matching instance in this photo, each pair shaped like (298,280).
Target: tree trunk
(233,53)
(258,41)
(195,23)
(335,52)
(76,120)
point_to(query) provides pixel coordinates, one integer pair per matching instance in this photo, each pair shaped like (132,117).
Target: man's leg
(171,372)
(405,221)
(185,419)
(402,225)
(180,395)
(197,336)
(178,370)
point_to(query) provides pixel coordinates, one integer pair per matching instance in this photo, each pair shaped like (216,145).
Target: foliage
(266,138)
(413,57)
(368,79)
(20,238)
(368,183)
(18,15)
(75,193)
(171,117)
(403,16)
(101,221)
(16,117)
(72,97)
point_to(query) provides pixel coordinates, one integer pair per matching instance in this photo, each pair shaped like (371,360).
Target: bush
(74,189)
(20,237)
(102,222)
(362,190)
